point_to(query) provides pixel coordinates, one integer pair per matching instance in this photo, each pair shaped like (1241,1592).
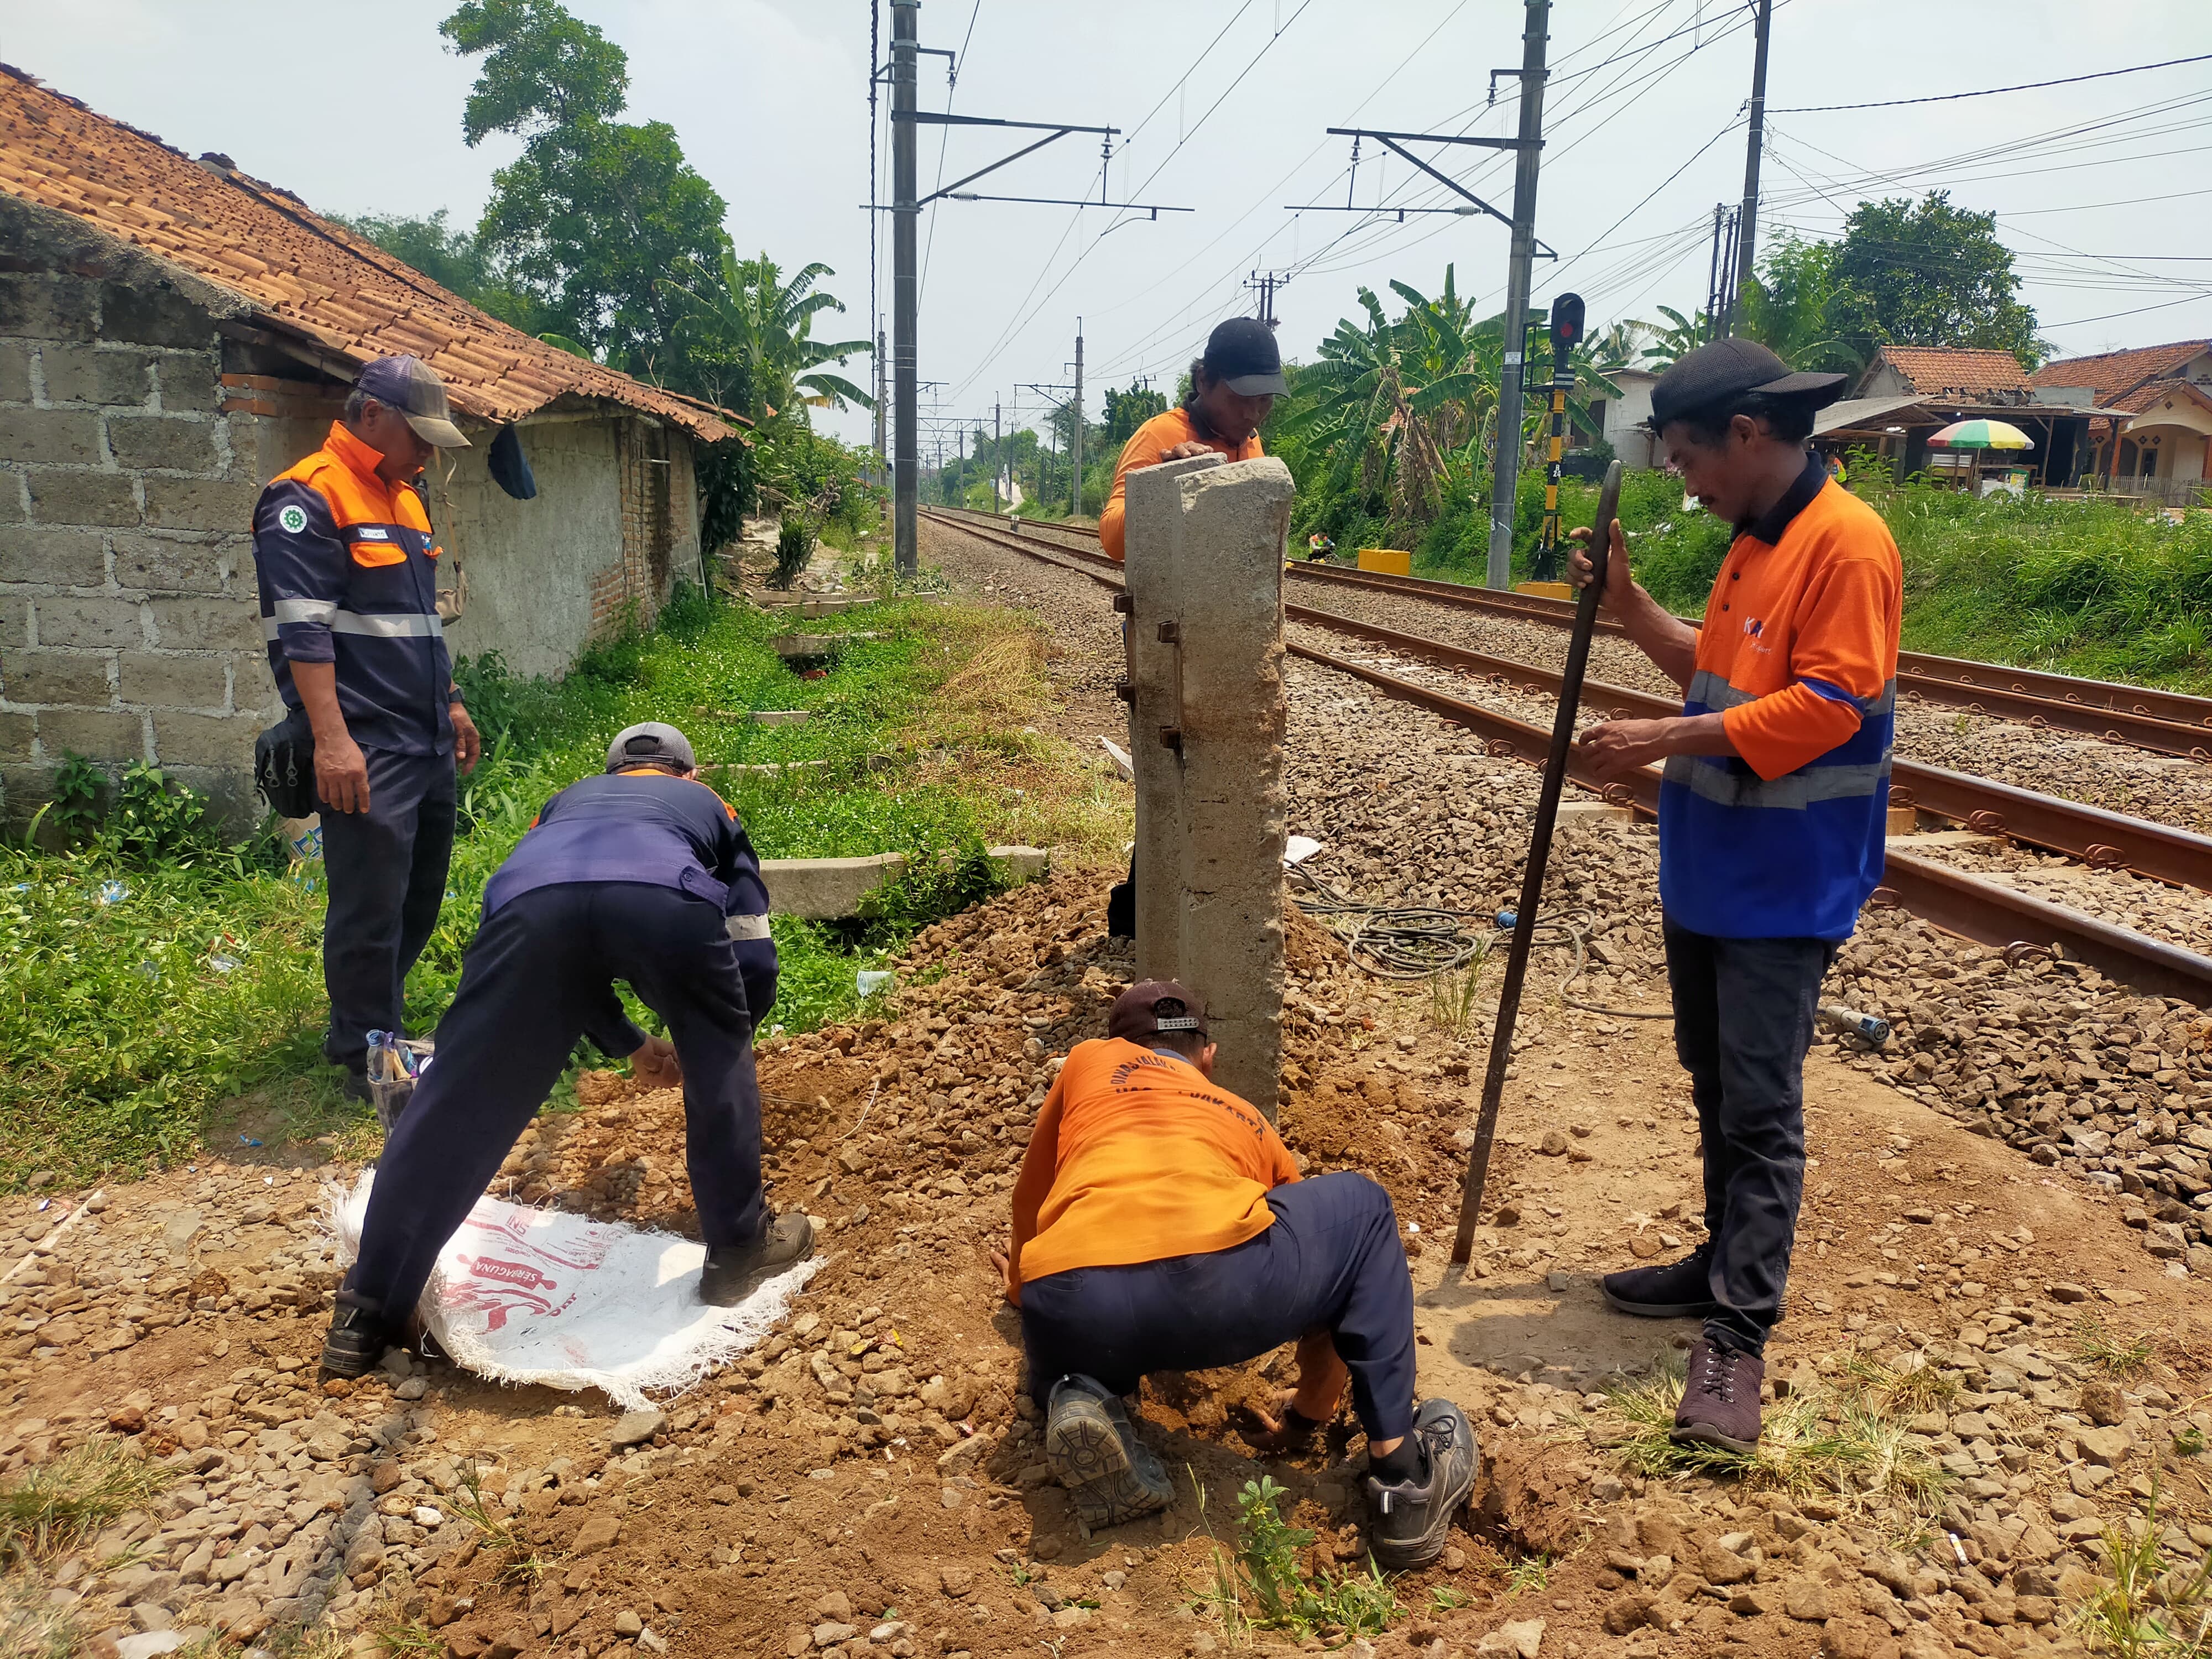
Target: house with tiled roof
(2160,442)
(1973,374)
(173,334)
(1908,392)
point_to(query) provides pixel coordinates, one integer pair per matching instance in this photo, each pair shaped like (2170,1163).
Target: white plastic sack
(522,1295)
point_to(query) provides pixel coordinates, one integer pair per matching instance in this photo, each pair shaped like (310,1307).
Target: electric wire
(1991,92)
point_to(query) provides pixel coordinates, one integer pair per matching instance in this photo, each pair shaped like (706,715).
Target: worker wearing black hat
(1233,389)
(1160,1225)
(1771,818)
(644,874)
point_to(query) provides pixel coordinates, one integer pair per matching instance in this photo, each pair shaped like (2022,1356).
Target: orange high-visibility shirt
(1146,445)
(1136,1157)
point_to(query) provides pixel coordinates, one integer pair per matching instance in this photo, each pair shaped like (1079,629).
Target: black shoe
(1410,1519)
(353,1083)
(734,1271)
(1092,1449)
(357,1343)
(1720,1398)
(1677,1290)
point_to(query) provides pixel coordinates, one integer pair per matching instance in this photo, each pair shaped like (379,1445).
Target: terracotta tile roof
(2112,374)
(2152,391)
(305,273)
(1971,372)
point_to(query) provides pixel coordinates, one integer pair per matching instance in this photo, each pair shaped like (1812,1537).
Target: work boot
(1673,1290)
(1095,1453)
(1410,1519)
(734,1271)
(356,1342)
(1720,1398)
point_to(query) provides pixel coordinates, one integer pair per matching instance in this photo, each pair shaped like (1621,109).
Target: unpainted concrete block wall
(128,624)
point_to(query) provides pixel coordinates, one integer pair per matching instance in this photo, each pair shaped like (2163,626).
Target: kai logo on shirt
(292,519)
(1753,626)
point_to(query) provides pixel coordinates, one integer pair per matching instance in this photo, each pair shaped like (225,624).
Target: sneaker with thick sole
(357,1343)
(1673,1290)
(1409,1520)
(1093,1450)
(734,1271)
(1720,1398)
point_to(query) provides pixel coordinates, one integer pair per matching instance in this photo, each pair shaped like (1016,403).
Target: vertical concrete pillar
(1205,571)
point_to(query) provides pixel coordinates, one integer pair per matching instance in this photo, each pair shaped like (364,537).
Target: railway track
(1985,911)
(2162,723)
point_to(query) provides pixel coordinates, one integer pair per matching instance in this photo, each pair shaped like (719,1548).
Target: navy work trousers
(538,977)
(1743,1019)
(386,869)
(1331,1261)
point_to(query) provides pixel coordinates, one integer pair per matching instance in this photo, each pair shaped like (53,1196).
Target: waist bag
(284,766)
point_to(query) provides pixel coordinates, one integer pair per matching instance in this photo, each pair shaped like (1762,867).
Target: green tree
(1128,410)
(1787,305)
(1676,339)
(455,260)
(595,211)
(1927,273)
(746,342)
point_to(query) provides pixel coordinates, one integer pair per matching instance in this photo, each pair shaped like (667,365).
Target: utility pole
(1265,283)
(1747,223)
(906,465)
(997,448)
(883,414)
(1508,476)
(1721,281)
(1075,431)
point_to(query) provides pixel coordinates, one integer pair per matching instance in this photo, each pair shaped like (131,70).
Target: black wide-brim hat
(1730,368)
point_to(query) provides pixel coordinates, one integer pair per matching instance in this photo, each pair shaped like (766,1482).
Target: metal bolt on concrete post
(1204,578)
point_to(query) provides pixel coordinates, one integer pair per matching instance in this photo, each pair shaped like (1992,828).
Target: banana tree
(747,337)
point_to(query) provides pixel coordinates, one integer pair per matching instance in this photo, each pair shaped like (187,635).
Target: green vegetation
(1264,1585)
(2102,1350)
(50,1508)
(2142,1607)
(148,985)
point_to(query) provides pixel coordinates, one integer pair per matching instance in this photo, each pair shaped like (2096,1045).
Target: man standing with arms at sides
(1233,389)
(347,571)
(1770,824)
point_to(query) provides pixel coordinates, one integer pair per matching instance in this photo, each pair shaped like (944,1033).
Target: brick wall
(660,524)
(128,627)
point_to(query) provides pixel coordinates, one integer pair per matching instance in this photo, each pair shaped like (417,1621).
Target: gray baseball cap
(647,743)
(416,390)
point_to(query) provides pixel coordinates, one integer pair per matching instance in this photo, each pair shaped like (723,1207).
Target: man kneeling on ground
(1160,1224)
(642,874)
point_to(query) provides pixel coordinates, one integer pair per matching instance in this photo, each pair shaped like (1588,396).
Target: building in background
(2159,442)
(172,335)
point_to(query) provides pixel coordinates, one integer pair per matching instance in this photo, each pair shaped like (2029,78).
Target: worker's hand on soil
(1617,748)
(341,775)
(467,746)
(1619,584)
(1005,1265)
(1188,451)
(654,1065)
(1283,1429)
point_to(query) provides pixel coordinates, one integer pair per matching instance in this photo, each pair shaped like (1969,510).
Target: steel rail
(1950,899)
(2140,717)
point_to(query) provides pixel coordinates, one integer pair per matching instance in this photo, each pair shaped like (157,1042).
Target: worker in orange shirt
(1233,389)
(1772,808)
(1160,1224)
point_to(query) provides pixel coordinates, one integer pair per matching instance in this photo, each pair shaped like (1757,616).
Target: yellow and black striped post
(1566,330)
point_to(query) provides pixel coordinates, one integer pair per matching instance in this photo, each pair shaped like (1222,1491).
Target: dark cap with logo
(414,389)
(1730,368)
(650,744)
(1153,1006)
(1242,353)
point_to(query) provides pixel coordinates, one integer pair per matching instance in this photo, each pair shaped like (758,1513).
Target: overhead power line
(1991,92)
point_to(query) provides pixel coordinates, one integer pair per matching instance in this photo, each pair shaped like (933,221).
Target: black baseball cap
(1730,368)
(647,744)
(1242,353)
(1153,1006)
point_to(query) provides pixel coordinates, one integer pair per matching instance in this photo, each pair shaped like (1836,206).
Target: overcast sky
(2102,188)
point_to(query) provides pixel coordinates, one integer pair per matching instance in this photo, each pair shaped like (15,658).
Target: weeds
(1265,1572)
(2102,1350)
(1910,1389)
(1850,1440)
(520,1561)
(1528,1573)
(31,1626)
(2141,1608)
(1453,1007)
(54,1506)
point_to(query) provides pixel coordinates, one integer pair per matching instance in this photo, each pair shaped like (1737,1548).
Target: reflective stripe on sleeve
(408,625)
(1793,792)
(745,926)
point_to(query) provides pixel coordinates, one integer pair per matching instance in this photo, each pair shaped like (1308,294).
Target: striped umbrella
(1980,435)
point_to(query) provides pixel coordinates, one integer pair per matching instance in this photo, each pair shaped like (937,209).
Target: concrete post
(1205,573)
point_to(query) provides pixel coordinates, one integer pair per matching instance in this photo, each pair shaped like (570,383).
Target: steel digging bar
(1539,852)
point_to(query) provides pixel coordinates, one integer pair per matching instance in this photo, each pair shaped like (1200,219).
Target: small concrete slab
(827,890)
(1021,865)
(1595,811)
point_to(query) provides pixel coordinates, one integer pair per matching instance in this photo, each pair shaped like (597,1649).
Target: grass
(519,1560)
(141,998)
(2103,1350)
(2142,1608)
(1850,1440)
(53,1507)
(1260,1583)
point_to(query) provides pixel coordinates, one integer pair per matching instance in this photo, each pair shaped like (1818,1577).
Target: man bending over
(1160,1224)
